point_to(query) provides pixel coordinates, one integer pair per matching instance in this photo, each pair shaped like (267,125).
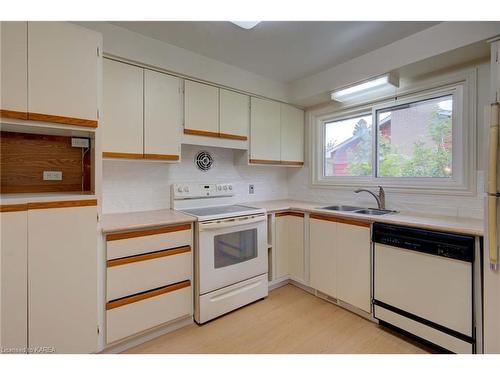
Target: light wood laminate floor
(290,320)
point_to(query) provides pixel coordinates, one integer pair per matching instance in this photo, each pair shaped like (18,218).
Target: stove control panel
(191,191)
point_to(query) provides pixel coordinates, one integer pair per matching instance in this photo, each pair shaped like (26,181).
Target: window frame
(461,87)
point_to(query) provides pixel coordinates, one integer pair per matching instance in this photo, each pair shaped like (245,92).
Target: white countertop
(443,223)
(142,219)
(21,198)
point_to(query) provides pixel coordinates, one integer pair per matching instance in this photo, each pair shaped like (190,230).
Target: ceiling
(280,50)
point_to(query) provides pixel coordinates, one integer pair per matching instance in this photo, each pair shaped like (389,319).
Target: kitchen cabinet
(340,259)
(265,131)
(234,115)
(62,276)
(14,60)
(162,117)
(353,264)
(63,59)
(59,58)
(292,135)
(323,256)
(290,245)
(14,279)
(201,109)
(122,117)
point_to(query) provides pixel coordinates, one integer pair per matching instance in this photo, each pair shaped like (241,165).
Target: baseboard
(149,335)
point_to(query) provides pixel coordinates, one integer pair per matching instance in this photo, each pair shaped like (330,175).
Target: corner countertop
(459,225)
(142,219)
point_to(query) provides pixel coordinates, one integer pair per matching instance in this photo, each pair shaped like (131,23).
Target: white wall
(300,188)
(139,185)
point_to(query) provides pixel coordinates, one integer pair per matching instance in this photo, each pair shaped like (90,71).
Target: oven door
(230,251)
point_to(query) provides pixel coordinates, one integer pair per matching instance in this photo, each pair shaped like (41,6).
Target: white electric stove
(230,248)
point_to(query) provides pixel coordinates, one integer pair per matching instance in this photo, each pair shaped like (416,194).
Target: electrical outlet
(251,189)
(52,175)
(80,142)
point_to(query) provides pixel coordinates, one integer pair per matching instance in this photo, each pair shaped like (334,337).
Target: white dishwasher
(424,285)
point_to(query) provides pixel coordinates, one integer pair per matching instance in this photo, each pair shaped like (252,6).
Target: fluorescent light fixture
(247,25)
(361,89)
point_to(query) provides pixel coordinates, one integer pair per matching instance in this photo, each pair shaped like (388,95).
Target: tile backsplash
(141,185)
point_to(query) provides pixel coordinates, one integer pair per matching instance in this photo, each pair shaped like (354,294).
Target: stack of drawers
(149,279)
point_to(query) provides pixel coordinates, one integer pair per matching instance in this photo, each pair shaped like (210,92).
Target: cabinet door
(234,115)
(296,247)
(122,121)
(265,133)
(322,253)
(201,109)
(353,265)
(281,244)
(14,279)
(14,75)
(62,268)
(162,116)
(292,134)
(63,74)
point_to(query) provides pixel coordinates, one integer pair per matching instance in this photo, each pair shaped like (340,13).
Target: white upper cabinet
(292,135)
(265,133)
(322,256)
(63,70)
(201,109)
(162,120)
(122,115)
(234,115)
(14,75)
(353,265)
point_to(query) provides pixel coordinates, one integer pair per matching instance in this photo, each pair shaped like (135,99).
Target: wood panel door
(292,134)
(234,115)
(122,115)
(353,265)
(63,71)
(265,133)
(162,116)
(14,74)
(62,284)
(323,256)
(201,109)
(14,279)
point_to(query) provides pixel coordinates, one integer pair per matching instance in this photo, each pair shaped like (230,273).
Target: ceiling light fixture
(247,25)
(362,88)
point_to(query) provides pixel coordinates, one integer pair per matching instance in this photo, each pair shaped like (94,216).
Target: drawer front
(132,318)
(137,275)
(126,244)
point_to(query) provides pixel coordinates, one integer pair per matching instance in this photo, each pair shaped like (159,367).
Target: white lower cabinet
(340,259)
(14,279)
(290,245)
(62,279)
(148,279)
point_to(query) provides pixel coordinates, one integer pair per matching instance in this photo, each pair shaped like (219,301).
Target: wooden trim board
(201,132)
(161,157)
(148,256)
(122,155)
(13,114)
(291,162)
(147,232)
(62,204)
(145,295)
(262,161)
(336,219)
(62,120)
(13,207)
(233,136)
(290,213)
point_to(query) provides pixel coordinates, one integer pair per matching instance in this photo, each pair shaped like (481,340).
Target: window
(423,140)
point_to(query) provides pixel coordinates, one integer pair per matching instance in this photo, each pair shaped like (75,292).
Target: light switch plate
(80,142)
(52,175)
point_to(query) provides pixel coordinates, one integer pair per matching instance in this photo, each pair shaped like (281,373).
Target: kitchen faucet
(380,198)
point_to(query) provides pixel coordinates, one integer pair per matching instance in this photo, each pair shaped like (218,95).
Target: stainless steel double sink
(358,210)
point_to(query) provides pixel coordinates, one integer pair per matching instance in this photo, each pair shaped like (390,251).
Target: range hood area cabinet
(215,112)
(49,277)
(141,113)
(276,133)
(57,57)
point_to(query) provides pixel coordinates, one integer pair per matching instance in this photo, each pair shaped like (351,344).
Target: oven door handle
(232,222)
